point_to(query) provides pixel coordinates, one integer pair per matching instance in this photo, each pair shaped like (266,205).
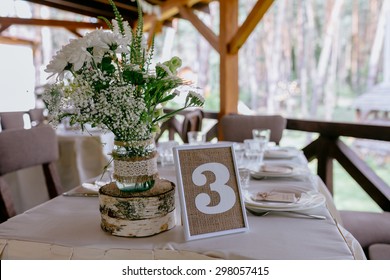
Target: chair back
(237,128)
(12,120)
(23,148)
(36,116)
(192,122)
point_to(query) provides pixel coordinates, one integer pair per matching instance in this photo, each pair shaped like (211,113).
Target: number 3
(226,193)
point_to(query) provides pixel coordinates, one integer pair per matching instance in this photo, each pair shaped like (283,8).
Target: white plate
(307,201)
(280,153)
(276,170)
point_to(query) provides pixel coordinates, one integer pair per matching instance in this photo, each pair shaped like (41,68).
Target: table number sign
(210,196)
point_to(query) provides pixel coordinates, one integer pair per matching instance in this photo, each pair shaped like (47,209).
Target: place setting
(283,200)
(267,170)
(278,152)
(251,156)
(258,159)
(90,188)
(285,197)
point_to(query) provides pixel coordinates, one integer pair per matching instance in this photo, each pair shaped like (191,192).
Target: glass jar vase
(135,165)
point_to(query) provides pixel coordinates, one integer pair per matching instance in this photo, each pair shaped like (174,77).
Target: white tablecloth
(69,228)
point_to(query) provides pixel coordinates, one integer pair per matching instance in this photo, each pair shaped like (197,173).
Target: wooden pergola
(227,43)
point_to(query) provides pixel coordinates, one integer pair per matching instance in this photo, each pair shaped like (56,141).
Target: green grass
(347,194)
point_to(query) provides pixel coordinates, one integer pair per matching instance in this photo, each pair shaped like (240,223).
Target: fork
(265,213)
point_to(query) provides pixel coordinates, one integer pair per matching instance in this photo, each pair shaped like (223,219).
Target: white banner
(193,269)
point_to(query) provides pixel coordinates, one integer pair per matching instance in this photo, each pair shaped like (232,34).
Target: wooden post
(325,161)
(228,61)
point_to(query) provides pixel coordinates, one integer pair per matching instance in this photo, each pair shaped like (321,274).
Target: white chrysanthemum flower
(57,65)
(77,53)
(196,95)
(100,42)
(195,98)
(165,68)
(122,45)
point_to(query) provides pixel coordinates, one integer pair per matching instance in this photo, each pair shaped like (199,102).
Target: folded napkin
(296,187)
(278,152)
(276,169)
(275,197)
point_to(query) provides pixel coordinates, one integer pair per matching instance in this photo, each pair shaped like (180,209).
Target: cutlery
(91,186)
(265,213)
(80,194)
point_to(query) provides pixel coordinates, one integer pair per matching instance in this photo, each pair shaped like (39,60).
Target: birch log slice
(137,214)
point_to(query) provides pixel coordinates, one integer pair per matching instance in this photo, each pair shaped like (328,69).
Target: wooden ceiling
(128,8)
(168,9)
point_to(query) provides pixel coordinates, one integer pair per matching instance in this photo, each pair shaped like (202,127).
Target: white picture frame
(211,199)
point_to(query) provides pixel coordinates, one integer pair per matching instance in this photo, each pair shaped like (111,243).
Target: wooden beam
(249,25)
(335,129)
(75,32)
(169,9)
(156,27)
(4,27)
(15,41)
(310,151)
(78,8)
(50,22)
(203,29)
(228,61)
(120,5)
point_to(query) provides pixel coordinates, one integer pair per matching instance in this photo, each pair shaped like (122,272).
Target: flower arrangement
(105,79)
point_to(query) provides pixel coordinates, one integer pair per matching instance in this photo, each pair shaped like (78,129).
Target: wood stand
(138,214)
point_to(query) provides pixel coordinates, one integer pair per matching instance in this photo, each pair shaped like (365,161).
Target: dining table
(69,227)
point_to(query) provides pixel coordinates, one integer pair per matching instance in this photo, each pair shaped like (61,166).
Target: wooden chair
(192,122)
(22,148)
(237,128)
(12,120)
(372,230)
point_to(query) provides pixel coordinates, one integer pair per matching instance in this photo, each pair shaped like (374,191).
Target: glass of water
(254,153)
(244,175)
(261,134)
(196,137)
(165,150)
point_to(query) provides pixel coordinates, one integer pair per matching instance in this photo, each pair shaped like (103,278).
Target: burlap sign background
(198,222)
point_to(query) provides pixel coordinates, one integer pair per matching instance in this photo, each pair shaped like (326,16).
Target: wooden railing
(329,146)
